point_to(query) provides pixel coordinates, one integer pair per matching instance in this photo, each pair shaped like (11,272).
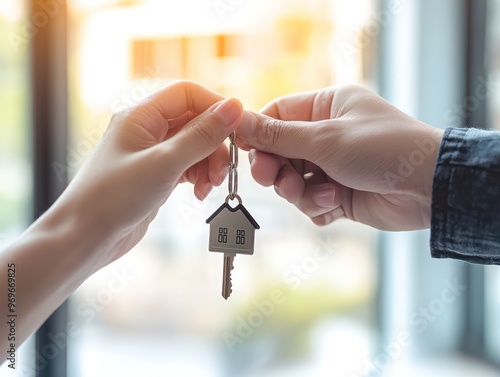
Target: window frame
(49,139)
(464,330)
(477,66)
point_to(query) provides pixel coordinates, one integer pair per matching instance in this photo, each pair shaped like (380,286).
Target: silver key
(227,284)
(232,231)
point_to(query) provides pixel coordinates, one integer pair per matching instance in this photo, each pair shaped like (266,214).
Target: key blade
(227,284)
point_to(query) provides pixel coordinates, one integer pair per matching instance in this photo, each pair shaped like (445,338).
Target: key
(227,284)
(232,231)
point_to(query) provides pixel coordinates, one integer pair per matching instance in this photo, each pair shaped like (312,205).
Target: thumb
(204,134)
(290,139)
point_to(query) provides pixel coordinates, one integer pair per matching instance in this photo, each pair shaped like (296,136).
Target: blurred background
(342,300)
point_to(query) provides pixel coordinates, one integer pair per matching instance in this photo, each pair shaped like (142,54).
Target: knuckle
(184,86)
(183,83)
(271,132)
(202,131)
(322,144)
(119,118)
(122,114)
(328,142)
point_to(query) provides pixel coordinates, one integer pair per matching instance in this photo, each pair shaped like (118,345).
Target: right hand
(345,153)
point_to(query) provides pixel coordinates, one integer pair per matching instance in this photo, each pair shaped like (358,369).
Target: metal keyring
(233,166)
(235,196)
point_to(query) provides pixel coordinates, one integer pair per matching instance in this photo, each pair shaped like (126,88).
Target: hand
(174,136)
(345,153)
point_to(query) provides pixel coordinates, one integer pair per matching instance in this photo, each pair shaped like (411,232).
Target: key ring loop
(233,166)
(236,196)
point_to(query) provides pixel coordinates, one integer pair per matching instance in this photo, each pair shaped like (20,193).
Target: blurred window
(15,165)
(15,170)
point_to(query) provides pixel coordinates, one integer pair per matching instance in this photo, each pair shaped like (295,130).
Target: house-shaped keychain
(232,230)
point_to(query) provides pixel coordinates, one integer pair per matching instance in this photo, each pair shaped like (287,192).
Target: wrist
(73,236)
(434,137)
(428,145)
(53,258)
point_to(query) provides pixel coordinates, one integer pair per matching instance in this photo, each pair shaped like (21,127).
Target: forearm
(46,264)
(465,221)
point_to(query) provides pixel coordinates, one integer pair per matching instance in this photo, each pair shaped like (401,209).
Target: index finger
(180,97)
(305,106)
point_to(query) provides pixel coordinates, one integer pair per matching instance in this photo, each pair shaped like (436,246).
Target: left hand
(174,136)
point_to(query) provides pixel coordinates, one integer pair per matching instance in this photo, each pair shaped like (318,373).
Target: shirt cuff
(465,217)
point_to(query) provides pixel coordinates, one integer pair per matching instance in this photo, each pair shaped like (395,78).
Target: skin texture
(174,136)
(344,153)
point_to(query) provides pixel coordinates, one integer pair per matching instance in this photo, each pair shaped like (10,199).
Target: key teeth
(230,287)
(230,290)
(228,294)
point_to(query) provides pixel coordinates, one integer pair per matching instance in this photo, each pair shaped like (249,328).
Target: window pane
(493,47)
(15,170)
(492,312)
(304,300)
(15,167)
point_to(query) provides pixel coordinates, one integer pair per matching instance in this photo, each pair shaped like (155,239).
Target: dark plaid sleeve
(465,220)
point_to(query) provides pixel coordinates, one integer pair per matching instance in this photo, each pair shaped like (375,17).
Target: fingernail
(277,187)
(229,111)
(325,198)
(223,175)
(251,156)
(207,189)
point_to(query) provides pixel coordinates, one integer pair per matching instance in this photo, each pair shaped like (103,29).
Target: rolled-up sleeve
(465,220)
